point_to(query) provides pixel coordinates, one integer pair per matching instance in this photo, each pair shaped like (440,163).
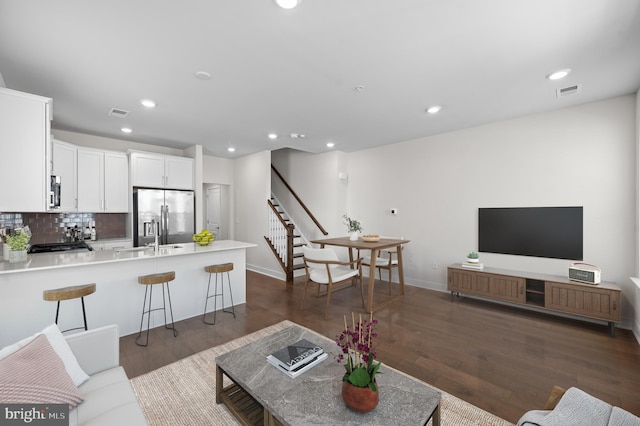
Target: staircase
(284,238)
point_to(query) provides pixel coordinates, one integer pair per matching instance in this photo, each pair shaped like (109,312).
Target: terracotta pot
(359,399)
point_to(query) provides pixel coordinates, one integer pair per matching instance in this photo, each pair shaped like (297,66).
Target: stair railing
(280,240)
(304,207)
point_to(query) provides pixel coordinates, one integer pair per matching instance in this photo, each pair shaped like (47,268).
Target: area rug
(183,393)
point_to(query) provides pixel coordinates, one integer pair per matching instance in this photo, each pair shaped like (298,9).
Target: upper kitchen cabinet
(25,132)
(64,169)
(103,182)
(116,182)
(161,171)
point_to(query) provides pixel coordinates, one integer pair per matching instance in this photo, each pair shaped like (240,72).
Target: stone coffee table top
(314,397)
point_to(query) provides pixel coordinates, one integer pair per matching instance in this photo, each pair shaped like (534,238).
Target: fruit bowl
(203,238)
(371,238)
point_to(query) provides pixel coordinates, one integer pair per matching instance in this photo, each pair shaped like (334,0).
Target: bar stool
(67,293)
(219,270)
(149,281)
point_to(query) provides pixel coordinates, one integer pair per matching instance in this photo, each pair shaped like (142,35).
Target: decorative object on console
(473,262)
(584,273)
(353,227)
(359,388)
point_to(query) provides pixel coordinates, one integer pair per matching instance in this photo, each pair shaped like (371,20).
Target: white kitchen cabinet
(64,165)
(103,182)
(161,171)
(25,132)
(116,182)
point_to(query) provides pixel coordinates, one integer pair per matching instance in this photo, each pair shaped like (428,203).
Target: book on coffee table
(297,354)
(301,368)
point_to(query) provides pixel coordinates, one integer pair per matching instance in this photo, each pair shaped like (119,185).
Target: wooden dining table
(376,248)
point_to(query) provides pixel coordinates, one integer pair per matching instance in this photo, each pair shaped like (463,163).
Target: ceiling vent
(117,112)
(568,91)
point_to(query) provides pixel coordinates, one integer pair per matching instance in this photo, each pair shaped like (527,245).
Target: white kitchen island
(118,298)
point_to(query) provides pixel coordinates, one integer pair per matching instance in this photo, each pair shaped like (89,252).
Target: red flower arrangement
(357,347)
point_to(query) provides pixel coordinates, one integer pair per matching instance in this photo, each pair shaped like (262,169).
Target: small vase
(353,235)
(359,399)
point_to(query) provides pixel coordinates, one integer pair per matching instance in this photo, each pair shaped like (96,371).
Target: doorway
(217,215)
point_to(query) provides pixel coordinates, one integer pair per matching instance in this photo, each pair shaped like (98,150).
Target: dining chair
(388,260)
(323,267)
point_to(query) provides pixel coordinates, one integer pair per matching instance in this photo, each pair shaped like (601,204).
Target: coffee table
(260,394)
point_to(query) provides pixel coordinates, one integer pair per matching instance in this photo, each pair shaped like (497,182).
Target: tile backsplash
(50,227)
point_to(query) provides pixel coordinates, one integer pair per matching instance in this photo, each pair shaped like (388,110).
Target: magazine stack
(297,358)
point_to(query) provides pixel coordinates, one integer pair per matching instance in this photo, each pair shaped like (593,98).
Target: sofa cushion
(620,417)
(108,400)
(60,345)
(578,408)
(36,374)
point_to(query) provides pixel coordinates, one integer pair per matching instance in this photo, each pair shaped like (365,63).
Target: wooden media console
(549,292)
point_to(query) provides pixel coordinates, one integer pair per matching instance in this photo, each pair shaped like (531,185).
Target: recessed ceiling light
(231,149)
(287,4)
(434,109)
(126,130)
(272,136)
(330,144)
(557,75)
(147,103)
(203,75)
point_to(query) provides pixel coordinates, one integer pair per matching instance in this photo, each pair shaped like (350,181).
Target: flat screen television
(551,232)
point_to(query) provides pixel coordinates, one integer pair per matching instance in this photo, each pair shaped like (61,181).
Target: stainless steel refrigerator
(170,213)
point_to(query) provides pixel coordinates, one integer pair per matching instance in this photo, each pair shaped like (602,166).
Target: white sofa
(108,396)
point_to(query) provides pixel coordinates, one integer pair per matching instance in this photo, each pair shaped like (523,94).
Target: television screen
(553,232)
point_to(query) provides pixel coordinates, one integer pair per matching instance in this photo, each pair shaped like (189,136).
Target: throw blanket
(578,408)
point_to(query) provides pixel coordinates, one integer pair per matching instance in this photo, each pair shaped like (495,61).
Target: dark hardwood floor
(502,359)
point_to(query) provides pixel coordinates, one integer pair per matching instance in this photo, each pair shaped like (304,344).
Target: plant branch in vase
(353,227)
(359,387)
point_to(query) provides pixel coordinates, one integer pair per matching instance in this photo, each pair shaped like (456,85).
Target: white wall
(636,297)
(252,190)
(314,177)
(580,156)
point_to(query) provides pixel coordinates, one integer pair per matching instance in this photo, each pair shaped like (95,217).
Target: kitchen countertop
(43,261)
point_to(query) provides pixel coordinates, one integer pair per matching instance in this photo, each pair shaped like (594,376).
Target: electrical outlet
(434,265)
(393,211)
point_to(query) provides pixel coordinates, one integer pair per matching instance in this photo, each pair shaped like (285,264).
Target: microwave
(54,192)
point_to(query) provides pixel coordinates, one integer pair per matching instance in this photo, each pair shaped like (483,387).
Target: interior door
(214,212)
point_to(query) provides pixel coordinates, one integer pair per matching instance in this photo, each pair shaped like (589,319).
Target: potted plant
(353,227)
(473,257)
(18,240)
(359,388)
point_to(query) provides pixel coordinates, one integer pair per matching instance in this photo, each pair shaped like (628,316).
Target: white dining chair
(323,267)
(388,259)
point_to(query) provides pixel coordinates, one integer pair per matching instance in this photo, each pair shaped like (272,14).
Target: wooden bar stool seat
(218,270)
(149,281)
(68,293)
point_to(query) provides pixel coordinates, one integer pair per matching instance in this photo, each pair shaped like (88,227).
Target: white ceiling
(296,71)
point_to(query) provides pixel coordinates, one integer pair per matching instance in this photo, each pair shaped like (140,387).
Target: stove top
(58,247)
